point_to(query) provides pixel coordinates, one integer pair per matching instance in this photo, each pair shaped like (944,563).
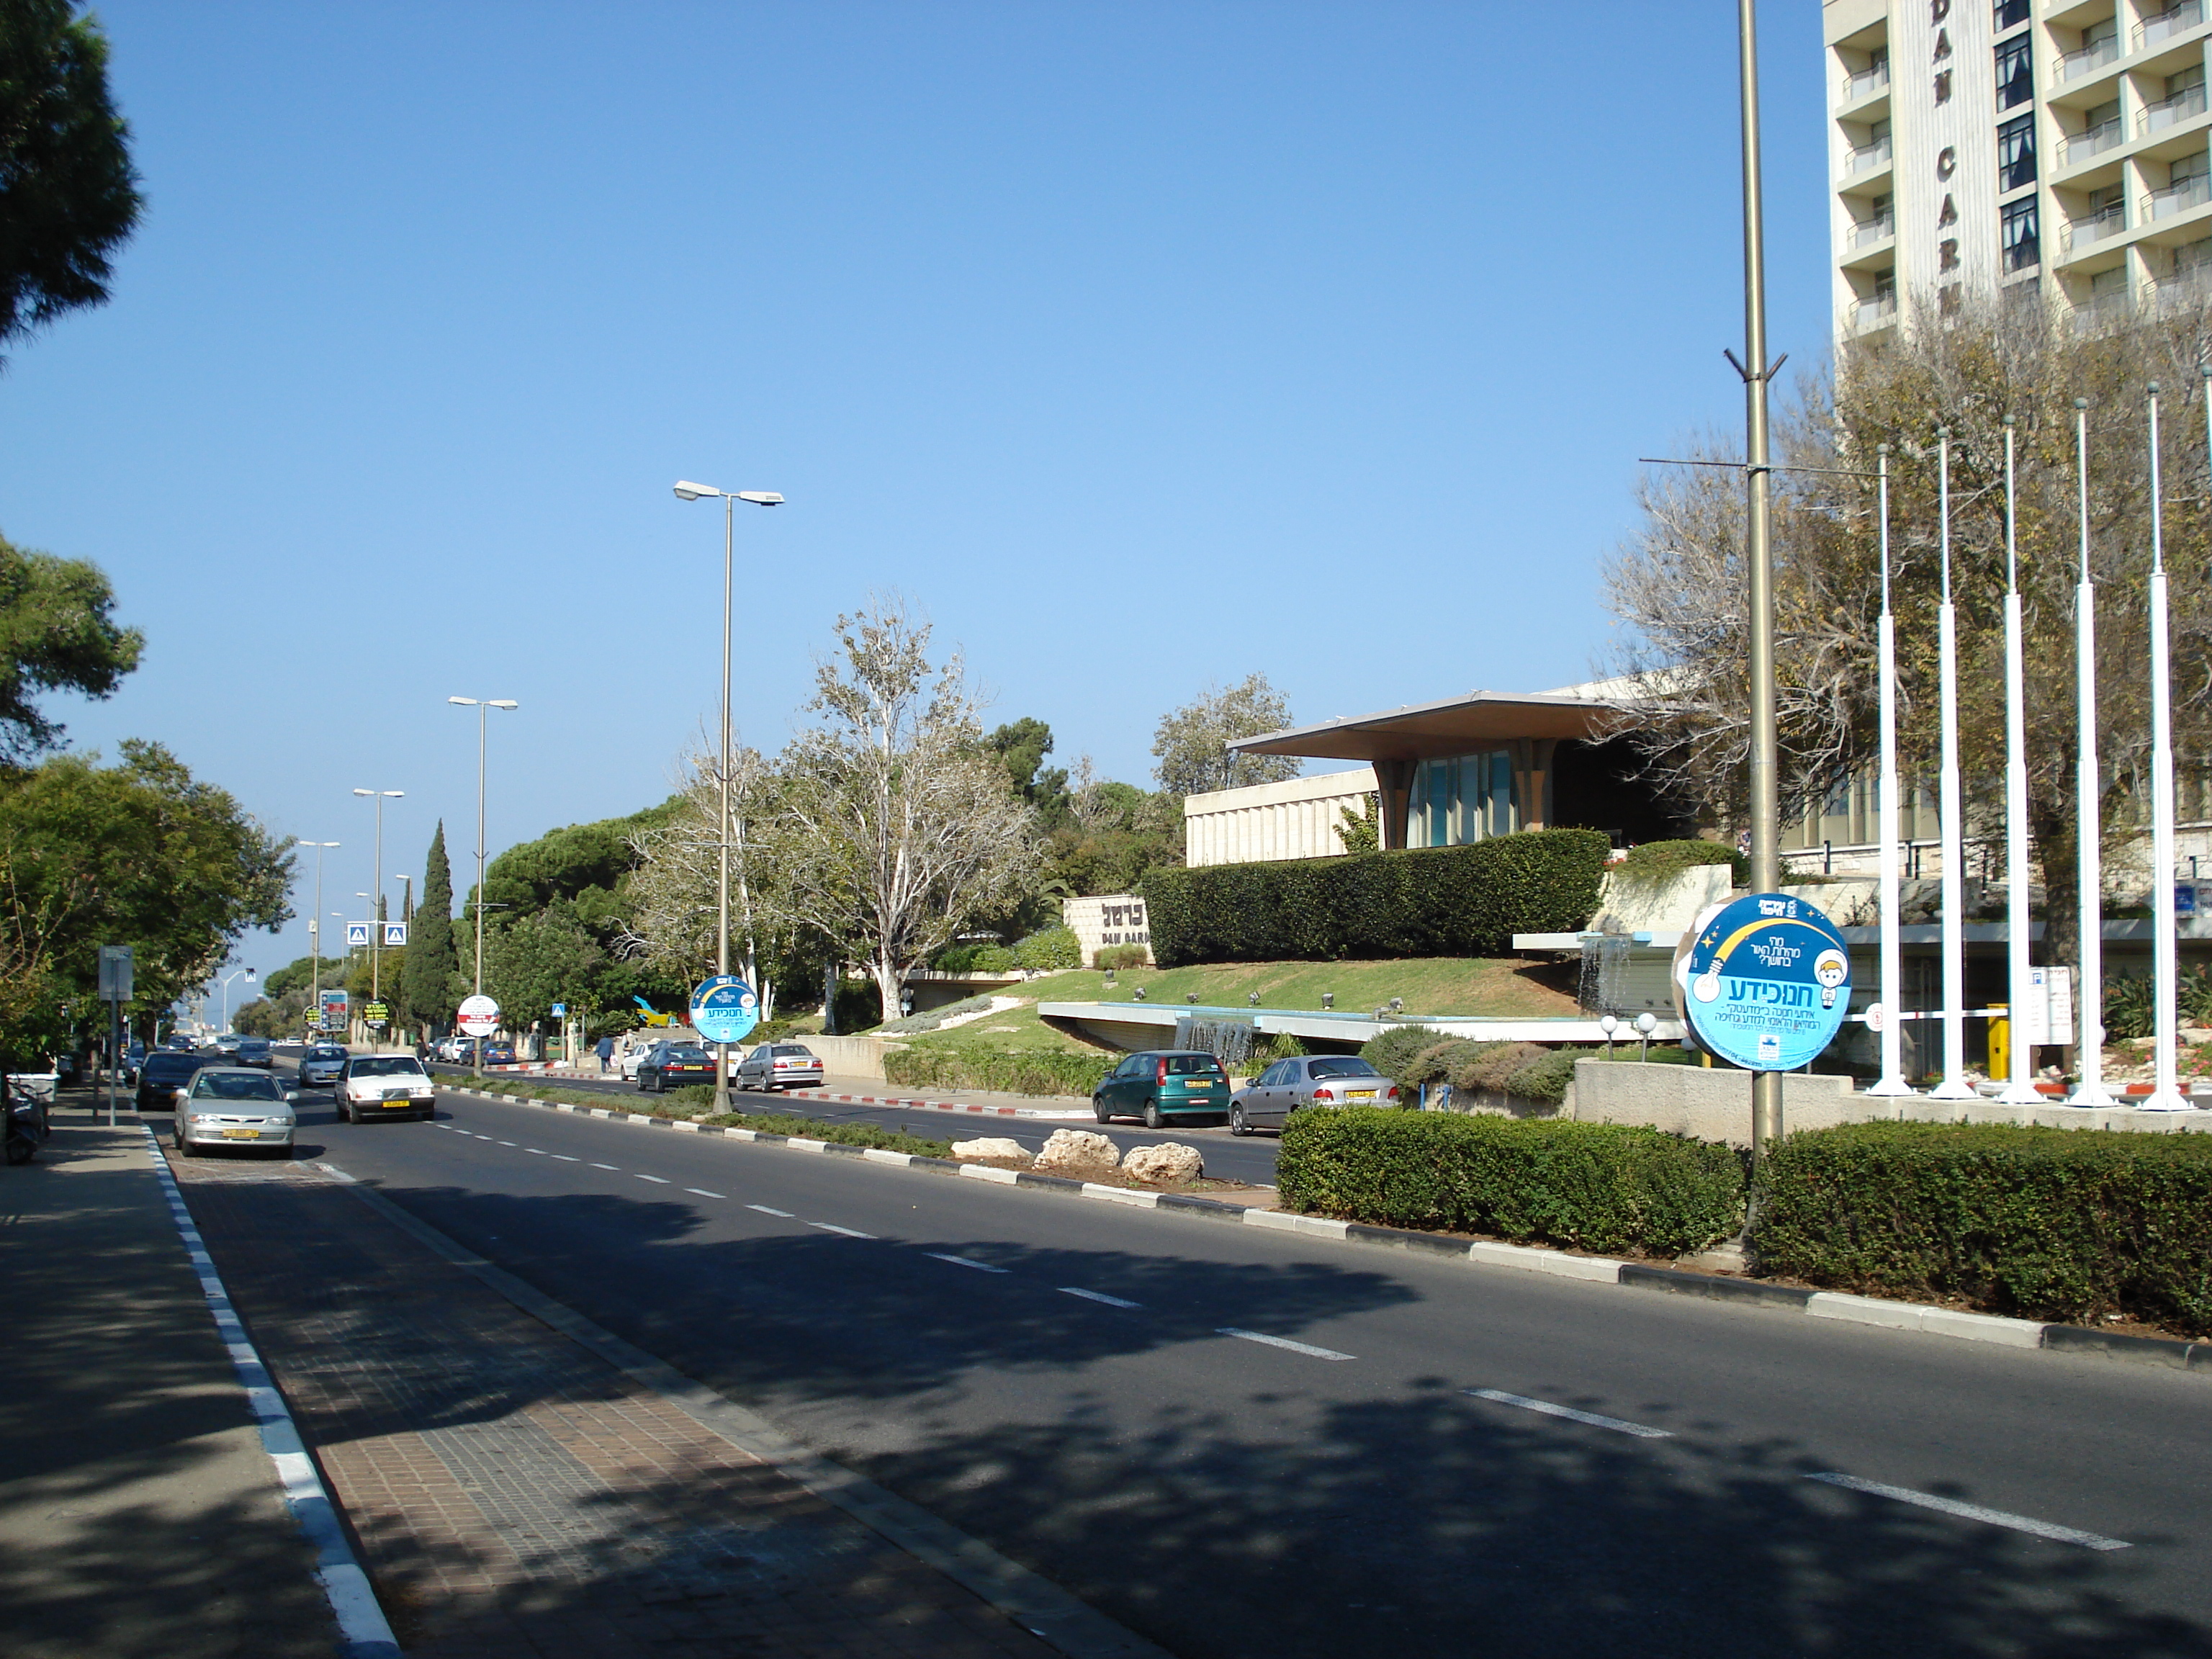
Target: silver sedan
(1268,1099)
(774,1065)
(234,1106)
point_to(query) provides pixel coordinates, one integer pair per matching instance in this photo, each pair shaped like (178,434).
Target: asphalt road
(1228,1157)
(1248,1443)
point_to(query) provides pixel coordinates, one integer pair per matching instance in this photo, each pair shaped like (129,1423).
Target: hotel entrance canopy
(1526,727)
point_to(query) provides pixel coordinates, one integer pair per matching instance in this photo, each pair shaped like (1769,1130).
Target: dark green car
(1160,1084)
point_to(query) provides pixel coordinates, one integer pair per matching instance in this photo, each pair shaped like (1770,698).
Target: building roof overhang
(1452,726)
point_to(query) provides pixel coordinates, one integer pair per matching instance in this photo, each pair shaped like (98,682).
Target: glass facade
(1465,798)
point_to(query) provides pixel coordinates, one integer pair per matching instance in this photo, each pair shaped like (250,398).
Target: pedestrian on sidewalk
(606,1051)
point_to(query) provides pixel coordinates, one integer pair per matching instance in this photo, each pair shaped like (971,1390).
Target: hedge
(1430,902)
(2047,1223)
(1601,1187)
(1008,1071)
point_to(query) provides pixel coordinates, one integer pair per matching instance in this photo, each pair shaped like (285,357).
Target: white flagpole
(2088,798)
(2021,1090)
(2165,1092)
(1955,1085)
(1893,972)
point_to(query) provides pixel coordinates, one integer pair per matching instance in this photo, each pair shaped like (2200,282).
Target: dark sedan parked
(1163,1083)
(1311,1079)
(256,1051)
(674,1063)
(163,1074)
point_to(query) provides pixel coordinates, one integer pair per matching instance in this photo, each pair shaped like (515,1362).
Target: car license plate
(1359,1094)
(241,1134)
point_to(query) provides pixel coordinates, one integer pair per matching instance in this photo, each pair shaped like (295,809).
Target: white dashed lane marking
(1975,1512)
(563,1157)
(1619,1425)
(702,1192)
(764,1210)
(605,1166)
(832,1227)
(1284,1342)
(956,1260)
(507,1143)
(539,1150)
(658,1180)
(1099,1296)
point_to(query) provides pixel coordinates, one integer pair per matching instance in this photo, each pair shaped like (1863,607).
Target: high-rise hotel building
(2050,147)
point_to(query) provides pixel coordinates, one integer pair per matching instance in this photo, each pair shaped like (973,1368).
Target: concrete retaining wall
(1715,1104)
(851,1056)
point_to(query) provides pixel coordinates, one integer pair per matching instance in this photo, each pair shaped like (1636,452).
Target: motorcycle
(27,1124)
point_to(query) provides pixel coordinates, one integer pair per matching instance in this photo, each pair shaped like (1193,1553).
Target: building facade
(2052,149)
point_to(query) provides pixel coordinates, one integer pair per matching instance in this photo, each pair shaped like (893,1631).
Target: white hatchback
(234,1106)
(385,1086)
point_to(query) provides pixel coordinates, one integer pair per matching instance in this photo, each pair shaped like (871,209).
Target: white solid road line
(959,1261)
(1618,1425)
(764,1210)
(659,1180)
(1283,1342)
(832,1227)
(1099,1296)
(1975,1512)
(702,1192)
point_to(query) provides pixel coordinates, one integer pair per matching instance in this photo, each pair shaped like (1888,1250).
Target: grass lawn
(1499,988)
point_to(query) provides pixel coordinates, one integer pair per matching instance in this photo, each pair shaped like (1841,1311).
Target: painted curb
(1873,1311)
(361,1625)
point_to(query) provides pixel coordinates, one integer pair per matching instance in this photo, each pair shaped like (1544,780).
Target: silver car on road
(1268,1099)
(774,1065)
(234,1106)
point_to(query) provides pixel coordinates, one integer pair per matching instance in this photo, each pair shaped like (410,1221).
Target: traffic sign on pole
(1769,982)
(724,1009)
(479,1017)
(358,934)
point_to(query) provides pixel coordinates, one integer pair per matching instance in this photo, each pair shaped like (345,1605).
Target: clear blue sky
(1142,345)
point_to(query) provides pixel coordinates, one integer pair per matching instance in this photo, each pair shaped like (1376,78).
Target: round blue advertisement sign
(1768,983)
(724,1009)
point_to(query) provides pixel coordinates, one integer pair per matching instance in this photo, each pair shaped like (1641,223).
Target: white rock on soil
(990,1147)
(1169,1161)
(1077,1152)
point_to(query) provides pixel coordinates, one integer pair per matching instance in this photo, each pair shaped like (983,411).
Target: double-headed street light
(691,492)
(376,907)
(246,973)
(480,704)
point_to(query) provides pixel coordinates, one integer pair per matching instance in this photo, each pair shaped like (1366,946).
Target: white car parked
(385,1086)
(234,1106)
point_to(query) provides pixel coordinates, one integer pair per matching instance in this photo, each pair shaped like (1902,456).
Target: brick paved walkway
(513,1494)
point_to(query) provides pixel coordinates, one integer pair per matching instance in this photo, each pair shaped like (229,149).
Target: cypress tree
(430,941)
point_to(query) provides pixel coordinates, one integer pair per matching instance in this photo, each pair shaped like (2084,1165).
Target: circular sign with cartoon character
(1770,982)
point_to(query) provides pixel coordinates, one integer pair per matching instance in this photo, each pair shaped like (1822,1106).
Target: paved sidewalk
(140,1518)
(514,1494)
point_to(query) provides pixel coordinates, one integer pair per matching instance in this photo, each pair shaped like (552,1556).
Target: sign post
(477,1017)
(1769,982)
(724,1010)
(115,983)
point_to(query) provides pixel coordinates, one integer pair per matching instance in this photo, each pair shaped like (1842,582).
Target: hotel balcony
(2168,24)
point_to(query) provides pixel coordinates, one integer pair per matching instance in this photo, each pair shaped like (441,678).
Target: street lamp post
(480,704)
(376,907)
(245,973)
(691,492)
(315,934)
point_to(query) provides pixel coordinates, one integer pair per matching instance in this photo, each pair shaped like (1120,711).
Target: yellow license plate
(1359,1094)
(241,1134)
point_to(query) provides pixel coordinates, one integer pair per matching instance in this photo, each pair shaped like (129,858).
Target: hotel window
(2009,13)
(2017,235)
(2016,152)
(2015,72)
(1467,797)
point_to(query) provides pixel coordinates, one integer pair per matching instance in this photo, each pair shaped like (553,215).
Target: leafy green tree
(1021,746)
(1191,743)
(166,864)
(544,958)
(56,635)
(69,195)
(430,954)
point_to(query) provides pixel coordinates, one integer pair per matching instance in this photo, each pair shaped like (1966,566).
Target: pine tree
(430,944)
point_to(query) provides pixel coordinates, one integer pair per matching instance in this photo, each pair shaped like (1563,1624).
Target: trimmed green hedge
(1007,1071)
(1431,901)
(1592,1186)
(1655,863)
(2045,1224)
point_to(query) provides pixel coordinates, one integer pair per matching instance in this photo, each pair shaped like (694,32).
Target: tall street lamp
(246,974)
(315,934)
(691,492)
(480,704)
(376,906)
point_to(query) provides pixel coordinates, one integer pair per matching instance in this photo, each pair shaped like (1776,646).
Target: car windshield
(327,1054)
(796,1051)
(1193,1066)
(235,1085)
(683,1051)
(388,1065)
(255,1042)
(1352,1065)
(170,1068)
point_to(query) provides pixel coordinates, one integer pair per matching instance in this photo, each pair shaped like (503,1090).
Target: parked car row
(769,1067)
(1161,1085)
(462,1050)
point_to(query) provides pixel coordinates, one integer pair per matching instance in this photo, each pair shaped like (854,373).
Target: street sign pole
(115,989)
